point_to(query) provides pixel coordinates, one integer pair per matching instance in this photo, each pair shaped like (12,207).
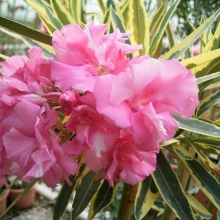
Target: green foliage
(196,137)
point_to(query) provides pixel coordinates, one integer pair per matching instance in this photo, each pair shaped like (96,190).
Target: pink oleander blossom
(90,49)
(153,89)
(33,146)
(25,78)
(92,129)
(124,161)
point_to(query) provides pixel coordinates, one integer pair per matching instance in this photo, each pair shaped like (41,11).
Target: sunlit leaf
(176,51)
(139,25)
(162,27)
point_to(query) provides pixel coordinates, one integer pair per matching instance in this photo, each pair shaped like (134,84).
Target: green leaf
(139,25)
(116,20)
(176,51)
(182,152)
(170,36)
(161,28)
(145,198)
(156,18)
(198,126)
(199,208)
(202,61)
(85,191)
(207,103)
(63,198)
(207,78)
(171,190)
(38,6)
(25,31)
(78,11)
(101,199)
(61,12)
(206,182)
(102,6)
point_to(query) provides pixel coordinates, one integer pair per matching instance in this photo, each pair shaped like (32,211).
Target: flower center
(101,70)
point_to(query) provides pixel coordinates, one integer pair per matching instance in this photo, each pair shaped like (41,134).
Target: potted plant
(26,200)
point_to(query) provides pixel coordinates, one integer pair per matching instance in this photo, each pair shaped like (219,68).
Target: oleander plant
(100,103)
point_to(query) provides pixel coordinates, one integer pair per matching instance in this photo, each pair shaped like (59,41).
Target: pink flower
(124,161)
(67,101)
(33,146)
(92,130)
(148,92)
(25,78)
(95,53)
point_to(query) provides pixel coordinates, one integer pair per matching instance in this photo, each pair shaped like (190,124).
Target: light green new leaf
(146,195)
(171,190)
(101,199)
(85,191)
(207,103)
(63,198)
(176,51)
(25,31)
(139,25)
(206,181)
(50,28)
(198,126)
(161,28)
(61,12)
(210,141)
(198,207)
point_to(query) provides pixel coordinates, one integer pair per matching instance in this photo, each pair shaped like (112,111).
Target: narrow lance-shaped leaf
(85,191)
(61,12)
(207,78)
(162,27)
(203,60)
(25,31)
(102,6)
(38,6)
(63,198)
(101,199)
(207,103)
(171,190)
(199,208)
(176,51)
(198,126)
(206,181)
(139,25)
(145,198)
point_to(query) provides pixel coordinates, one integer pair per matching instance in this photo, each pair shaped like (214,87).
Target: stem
(127,201)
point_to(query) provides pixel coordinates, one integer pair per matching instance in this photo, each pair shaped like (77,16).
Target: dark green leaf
(63,199)
(101,199)
(25,31)
(85,191)
(171,190)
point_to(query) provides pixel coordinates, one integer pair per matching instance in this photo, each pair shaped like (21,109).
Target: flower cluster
(91,100)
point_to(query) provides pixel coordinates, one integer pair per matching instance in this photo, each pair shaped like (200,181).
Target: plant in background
(92,106)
